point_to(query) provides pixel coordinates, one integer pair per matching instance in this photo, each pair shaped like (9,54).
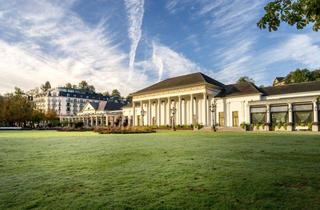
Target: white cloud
(47,41)
(169,63)
(300,48)
(135,10)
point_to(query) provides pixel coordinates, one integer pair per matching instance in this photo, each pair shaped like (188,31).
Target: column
(180,111)
(191,109)
(106,120)
(96,120)
(159,112)
(205,110)
(290,126)
(134,113)
(168,111)
(315,126)
(150,114)
(268,118)
(91,122)
(142,116)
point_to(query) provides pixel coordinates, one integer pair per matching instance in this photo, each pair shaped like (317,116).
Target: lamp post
(142,116)
(213,108)
(173,113)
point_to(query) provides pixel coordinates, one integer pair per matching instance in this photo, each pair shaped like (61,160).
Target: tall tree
(116,93)
(245,79)
(46,86)
(294,12)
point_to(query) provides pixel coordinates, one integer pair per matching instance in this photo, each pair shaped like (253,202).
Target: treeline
(18,111)
(302,75)
(83,86)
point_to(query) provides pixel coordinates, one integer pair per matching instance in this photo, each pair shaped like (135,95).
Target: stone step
(232,129)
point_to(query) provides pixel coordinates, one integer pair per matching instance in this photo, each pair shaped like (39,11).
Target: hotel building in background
(68,102)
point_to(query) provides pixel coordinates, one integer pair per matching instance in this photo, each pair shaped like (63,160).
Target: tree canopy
(116,93)
(245,79)
(302,75)
(46,86)
(83,85)
(294,12)
(17,110)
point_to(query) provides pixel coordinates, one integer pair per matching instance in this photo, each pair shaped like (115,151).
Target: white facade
(65,102)
(201,104)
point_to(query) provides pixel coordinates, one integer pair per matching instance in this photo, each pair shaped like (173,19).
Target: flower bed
(127,130)
(70,129)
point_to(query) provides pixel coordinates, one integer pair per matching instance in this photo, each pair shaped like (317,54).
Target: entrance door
(221,119)
(235,119)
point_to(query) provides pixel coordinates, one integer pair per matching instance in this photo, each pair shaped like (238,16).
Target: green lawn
(167,170)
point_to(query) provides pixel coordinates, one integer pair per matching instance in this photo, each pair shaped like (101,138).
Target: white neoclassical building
(198,99)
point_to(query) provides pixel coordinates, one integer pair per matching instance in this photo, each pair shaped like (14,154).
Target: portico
(186,105)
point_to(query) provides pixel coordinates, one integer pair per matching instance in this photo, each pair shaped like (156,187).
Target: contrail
(135,10)
(157,61)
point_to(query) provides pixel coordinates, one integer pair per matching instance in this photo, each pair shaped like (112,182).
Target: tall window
(302,114)
(221,118)
(258,115)
(235,119)
(279,114)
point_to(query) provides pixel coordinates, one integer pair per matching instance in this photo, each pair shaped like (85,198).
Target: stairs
(230,129)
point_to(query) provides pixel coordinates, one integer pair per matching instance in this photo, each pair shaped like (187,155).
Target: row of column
(290,113)
(96,120)
(175,108)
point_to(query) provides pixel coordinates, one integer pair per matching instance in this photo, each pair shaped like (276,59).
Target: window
(258,115)
(221,118)
(302,114)
(235,119)
(279,114)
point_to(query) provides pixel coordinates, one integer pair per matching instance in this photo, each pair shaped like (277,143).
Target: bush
(127,130)
(70,129)
(78,125)
(245,126)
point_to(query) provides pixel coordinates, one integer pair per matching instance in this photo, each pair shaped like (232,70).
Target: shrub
(245,126)
(126,130)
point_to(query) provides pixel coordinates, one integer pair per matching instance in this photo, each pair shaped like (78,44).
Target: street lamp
(173,113)
(142,116)
(213,108)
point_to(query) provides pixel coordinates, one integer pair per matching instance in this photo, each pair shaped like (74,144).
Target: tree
(116,93)
(294,12)
(300,75)
(68,85)
(106,93)
(38,116)
(18,109)
(46,86)
(2,109)
(83,85)
(245,79)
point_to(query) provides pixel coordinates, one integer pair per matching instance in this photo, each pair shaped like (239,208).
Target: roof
(107,105)
(292,88)
(242,88)
(180,81)
(280,78)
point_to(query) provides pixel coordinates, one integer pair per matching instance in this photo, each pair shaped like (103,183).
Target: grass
(166,170)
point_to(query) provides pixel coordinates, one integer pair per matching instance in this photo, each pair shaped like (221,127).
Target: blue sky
(129,44)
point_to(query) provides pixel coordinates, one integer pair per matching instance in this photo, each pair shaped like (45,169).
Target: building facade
(198,99)
(66,102)
(103,113)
